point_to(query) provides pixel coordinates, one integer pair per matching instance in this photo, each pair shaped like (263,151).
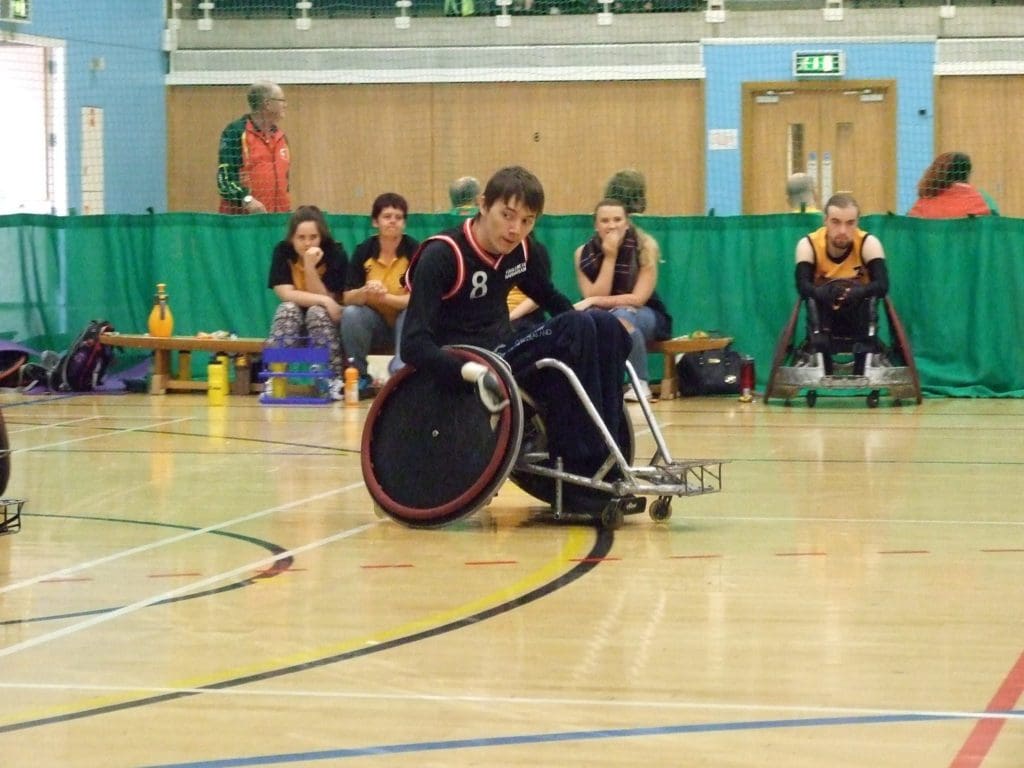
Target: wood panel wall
(982,116)
(351,142)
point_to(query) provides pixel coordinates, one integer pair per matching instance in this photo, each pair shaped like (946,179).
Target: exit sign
(819,64)
(14,10)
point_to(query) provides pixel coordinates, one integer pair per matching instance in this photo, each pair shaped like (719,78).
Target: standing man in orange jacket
(253,159)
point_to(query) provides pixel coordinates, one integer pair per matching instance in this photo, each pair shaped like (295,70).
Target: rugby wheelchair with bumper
(853,357)
(432,455)
(10,509)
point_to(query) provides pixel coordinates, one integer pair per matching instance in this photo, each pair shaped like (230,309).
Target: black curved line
(279,566)
(602,545)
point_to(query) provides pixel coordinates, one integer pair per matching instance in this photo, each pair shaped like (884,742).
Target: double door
(841,133)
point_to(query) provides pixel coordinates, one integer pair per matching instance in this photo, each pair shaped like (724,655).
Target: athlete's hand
(488,388)
(824,293)
(853,296)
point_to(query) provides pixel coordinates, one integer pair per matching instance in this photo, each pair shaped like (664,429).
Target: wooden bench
(166,377)
(669,387)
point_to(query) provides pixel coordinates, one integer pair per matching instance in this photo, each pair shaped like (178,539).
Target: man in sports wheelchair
(447,430)
(841,277)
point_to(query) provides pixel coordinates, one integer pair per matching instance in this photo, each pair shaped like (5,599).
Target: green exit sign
(14,10)
(819,64)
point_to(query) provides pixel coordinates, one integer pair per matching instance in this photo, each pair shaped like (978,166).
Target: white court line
(195,586)
(23,430)
(112,433)
(526,701)
(174,539)
(854,520)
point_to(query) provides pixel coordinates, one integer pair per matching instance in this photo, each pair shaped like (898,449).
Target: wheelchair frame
(10,509)
(662,476)
(797,368)
(618,486)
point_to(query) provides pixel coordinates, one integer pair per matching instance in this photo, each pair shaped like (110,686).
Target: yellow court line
(576,545)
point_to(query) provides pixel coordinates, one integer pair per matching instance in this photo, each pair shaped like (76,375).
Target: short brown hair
(842,200)
(515,183)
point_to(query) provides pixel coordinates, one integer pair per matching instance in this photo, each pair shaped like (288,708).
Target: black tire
(432,455)
(661,509)
(5,456)
(611,516)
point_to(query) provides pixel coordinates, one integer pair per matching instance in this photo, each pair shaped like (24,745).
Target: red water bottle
(747,379)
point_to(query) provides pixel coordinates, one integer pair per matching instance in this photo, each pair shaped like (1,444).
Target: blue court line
(546,738)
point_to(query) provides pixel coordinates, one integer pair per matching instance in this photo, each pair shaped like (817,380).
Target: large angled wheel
(783,348)
(5,456)
(902,347)
(432,454)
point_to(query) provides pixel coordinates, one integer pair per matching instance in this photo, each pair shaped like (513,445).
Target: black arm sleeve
(435,273)
(805,279)
(879,274)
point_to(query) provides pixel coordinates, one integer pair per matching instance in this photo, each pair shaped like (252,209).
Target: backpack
(82,367)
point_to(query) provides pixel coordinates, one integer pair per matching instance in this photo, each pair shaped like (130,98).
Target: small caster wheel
(661,509)
(872,399)
(611,515)
(812,398)
(896,403)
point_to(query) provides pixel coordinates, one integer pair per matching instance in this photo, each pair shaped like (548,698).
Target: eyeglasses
(281,99)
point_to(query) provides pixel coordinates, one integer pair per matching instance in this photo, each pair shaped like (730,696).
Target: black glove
(854,295)
(488,388)
(823,293)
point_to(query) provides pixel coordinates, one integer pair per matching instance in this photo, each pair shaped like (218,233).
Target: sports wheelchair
(10,509)
(844,361)
(432,455)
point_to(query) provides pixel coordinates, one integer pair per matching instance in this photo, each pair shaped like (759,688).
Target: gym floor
(209,586)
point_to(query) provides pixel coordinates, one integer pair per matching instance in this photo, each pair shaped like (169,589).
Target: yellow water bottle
(161,322)
(216,383)
(279,384)
(351,383)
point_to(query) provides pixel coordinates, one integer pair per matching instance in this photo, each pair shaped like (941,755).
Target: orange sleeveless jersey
(850,268)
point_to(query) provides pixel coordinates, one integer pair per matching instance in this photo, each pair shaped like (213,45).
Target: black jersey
(459,295)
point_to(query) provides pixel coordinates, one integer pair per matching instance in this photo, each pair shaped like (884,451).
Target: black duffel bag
(713,372)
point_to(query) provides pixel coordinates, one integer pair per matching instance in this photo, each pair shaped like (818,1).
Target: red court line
(981,739)
(904,552)
(388,565)
(1002,550)
(491,562)
(692,557)
(801,554)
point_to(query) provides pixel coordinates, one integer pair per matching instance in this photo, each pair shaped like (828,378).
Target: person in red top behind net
(945,193)
(253,161)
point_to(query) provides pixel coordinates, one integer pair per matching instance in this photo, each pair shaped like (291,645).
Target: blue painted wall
(127,35)
(729,65)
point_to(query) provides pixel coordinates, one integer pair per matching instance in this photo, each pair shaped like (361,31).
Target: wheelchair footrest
(10,515)
(694,477)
